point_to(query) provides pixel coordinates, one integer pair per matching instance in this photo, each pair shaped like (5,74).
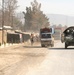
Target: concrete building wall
(0,36)
(4,38)
(57,34)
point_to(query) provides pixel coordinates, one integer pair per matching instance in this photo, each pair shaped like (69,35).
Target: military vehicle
(68,37)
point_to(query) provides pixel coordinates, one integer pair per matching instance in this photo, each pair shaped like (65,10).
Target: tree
(10,7)
(10,17)
(0,18)
(34,17)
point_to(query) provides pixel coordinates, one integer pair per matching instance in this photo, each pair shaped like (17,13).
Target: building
(4,31)
(58,32)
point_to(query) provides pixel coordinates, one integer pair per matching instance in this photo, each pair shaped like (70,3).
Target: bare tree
(10,7)
(0,18)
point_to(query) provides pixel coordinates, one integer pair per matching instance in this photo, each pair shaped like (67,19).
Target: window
(45,35)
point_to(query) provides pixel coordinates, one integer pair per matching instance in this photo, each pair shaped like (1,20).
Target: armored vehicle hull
(68,37)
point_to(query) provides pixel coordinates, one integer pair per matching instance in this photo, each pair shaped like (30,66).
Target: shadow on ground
(25,54)
(33,47)
(29,47)
(61,49)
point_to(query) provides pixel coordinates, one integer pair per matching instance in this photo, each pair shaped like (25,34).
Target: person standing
(32,39)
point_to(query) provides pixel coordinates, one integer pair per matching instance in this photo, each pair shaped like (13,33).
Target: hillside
(55,19)
(60,19)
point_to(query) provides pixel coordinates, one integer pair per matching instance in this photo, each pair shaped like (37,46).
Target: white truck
(46,37)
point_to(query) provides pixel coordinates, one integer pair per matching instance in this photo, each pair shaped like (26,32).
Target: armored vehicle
(68,37)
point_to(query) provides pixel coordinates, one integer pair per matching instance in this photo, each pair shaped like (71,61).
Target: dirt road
(35,60)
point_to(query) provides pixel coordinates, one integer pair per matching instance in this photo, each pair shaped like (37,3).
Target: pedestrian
(32,39)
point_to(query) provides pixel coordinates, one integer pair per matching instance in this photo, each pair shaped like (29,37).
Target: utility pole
(12,22)
(2,21)
(24,19)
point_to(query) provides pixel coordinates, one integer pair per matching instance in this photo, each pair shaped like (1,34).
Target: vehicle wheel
(66,46)
(52,45)
(43,45)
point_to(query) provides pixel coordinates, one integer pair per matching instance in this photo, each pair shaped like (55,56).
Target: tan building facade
(4,36)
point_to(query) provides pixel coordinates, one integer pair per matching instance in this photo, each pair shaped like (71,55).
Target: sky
(65,7)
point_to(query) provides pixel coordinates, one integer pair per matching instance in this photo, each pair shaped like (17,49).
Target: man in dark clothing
(32,39)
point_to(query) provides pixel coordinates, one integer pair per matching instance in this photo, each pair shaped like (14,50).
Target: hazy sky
(65,7)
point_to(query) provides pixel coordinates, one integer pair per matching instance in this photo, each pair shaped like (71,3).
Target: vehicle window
(46,35)
(68,31)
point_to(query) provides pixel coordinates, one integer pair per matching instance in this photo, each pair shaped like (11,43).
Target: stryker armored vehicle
(68,37)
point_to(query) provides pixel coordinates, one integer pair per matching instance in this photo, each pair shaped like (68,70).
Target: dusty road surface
(34,60)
